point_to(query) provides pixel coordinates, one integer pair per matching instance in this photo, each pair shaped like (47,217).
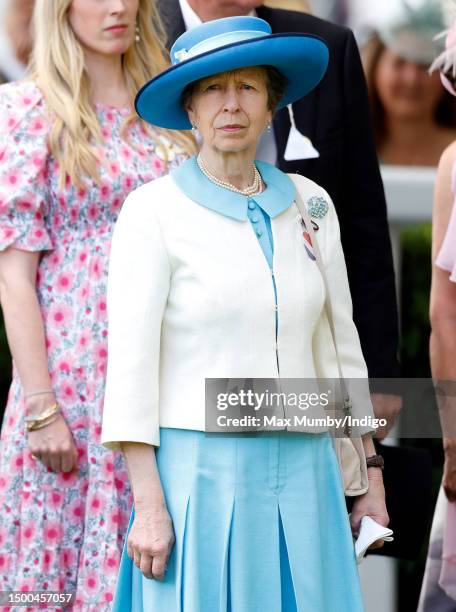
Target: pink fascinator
(446,61)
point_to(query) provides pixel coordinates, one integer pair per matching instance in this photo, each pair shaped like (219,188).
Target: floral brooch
(317,207)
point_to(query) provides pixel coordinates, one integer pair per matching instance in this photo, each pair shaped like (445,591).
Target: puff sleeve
(23,159)
(138,286)
(353,364)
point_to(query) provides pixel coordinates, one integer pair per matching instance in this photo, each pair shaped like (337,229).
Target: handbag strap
(328,304)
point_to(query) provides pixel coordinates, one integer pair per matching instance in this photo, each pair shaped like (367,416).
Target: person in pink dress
(71,149)
(438,590)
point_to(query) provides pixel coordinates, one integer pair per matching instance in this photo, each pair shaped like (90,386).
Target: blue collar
(278,195)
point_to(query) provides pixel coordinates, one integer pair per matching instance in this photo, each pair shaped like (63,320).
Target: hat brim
(301,58)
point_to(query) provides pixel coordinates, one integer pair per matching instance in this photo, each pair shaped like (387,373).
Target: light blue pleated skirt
(260,523)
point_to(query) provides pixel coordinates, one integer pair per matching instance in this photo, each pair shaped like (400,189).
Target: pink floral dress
(64,532)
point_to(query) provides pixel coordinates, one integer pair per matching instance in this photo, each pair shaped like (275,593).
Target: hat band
(215,42)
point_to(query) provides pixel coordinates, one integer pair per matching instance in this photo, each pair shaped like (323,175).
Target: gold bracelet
(43,415)
(33,422)
(34,426)
(44,419)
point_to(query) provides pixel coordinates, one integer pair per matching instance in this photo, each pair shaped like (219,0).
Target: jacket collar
(277,197)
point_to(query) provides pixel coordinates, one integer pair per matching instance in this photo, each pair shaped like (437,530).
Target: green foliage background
(416,284)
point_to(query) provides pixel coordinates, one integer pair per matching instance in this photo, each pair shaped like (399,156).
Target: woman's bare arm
(443,291)
(53,444)
(23,320)
(443,322)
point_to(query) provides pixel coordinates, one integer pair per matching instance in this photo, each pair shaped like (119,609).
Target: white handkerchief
(298,145)
(369,532)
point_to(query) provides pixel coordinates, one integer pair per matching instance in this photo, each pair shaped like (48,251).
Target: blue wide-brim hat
(229,44)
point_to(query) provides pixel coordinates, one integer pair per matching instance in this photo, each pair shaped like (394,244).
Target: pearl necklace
(254,188)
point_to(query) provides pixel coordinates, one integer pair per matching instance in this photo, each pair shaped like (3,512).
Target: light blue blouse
(258,209)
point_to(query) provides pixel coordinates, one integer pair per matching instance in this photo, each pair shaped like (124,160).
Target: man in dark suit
(335,116)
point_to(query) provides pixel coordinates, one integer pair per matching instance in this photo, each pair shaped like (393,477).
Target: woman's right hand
(151,540)
(54,445)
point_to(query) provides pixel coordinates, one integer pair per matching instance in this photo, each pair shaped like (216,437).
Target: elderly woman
(211,276)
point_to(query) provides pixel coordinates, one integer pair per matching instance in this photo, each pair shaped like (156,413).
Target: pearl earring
(269,128)
(137,36)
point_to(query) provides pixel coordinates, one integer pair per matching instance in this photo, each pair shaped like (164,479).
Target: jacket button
(254,219)
(251,205)
(259,233)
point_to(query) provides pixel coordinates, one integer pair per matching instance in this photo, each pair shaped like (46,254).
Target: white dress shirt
(190,297)
(191,18)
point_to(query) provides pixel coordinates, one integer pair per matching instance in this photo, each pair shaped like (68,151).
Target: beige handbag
(349,449)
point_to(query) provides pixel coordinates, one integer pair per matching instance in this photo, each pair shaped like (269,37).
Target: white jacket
(190,296)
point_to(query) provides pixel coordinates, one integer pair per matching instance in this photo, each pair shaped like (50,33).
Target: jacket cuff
(111,440)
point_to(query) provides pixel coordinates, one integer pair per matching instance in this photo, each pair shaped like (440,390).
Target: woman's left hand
(371,504)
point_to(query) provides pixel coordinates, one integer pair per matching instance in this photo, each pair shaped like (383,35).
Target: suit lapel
(305,110)
(173,20)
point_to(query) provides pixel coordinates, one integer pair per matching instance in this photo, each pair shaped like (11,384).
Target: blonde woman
(71,149)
